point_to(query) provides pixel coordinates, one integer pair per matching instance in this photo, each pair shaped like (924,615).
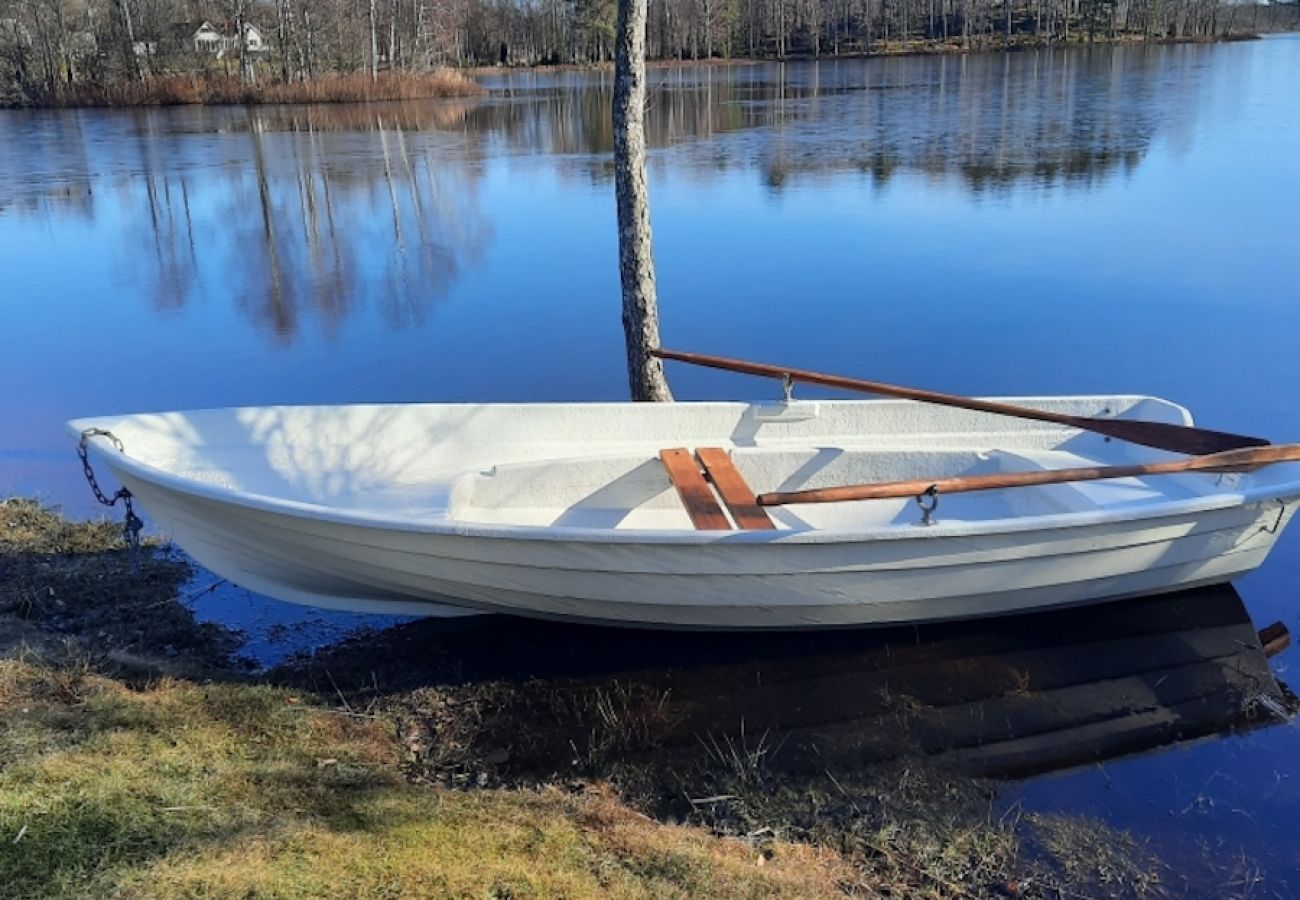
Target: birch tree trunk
(392,35)
(241,43)
(374,44)
(635,256)
(128,30)
(282,10)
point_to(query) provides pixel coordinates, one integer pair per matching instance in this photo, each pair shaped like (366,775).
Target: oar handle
(1162,435)
(861,384)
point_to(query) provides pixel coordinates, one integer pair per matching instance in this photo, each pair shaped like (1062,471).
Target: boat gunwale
(1280,491)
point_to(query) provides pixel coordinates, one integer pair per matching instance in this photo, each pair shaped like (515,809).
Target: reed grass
(211,89)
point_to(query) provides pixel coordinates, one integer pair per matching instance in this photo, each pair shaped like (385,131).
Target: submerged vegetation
(140,757)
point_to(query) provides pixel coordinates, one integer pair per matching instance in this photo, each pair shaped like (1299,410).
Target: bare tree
(374,42)
(635,256)
(50,47)
(128,33)
(239,11)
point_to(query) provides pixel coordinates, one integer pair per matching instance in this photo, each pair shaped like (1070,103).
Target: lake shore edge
(318,777)
(950,47)
(207,89)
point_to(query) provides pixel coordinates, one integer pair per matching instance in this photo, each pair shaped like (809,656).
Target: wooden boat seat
(696,479)
(733,489)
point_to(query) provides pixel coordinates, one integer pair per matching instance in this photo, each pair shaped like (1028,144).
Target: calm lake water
(1040,222)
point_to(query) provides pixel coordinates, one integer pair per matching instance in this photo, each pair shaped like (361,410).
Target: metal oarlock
(927,509)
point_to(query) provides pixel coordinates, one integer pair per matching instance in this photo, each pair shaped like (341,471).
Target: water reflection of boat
(998,697)
(566,510)
(1032,694)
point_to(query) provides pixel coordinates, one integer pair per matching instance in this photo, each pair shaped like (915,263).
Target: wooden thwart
(703,508)
(733,490)
(698,498)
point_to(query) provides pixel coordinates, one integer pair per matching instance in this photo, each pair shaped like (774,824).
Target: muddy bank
(74,590)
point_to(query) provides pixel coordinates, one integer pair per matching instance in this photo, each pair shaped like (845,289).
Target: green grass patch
(184,789)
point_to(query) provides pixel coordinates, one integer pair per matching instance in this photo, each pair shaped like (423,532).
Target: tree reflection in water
(307,215)
(298,214)
(390,230)
(1055,119)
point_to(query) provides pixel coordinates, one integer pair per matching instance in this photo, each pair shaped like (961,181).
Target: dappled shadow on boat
(1002,697)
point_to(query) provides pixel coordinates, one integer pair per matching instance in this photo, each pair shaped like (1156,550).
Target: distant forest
(53,50)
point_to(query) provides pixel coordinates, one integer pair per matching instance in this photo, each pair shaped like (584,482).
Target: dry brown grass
(180,90)
(27,527)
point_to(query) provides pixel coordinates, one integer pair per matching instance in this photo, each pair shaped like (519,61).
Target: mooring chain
(1277,524)
(132,525)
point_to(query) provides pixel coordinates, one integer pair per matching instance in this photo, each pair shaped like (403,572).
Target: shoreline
(987,46)
(458,82)
(390,746)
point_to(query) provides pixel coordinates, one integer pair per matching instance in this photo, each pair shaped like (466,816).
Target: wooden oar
(1228,461)
(1163,435)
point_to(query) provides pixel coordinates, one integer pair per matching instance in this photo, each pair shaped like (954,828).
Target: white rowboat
(567,511)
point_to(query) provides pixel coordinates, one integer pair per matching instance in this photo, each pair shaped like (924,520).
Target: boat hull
(565,510)
(790,582)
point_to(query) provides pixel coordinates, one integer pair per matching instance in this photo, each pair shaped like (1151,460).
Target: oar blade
(1167,436)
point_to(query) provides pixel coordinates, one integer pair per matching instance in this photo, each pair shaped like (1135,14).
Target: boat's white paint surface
(564,510)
